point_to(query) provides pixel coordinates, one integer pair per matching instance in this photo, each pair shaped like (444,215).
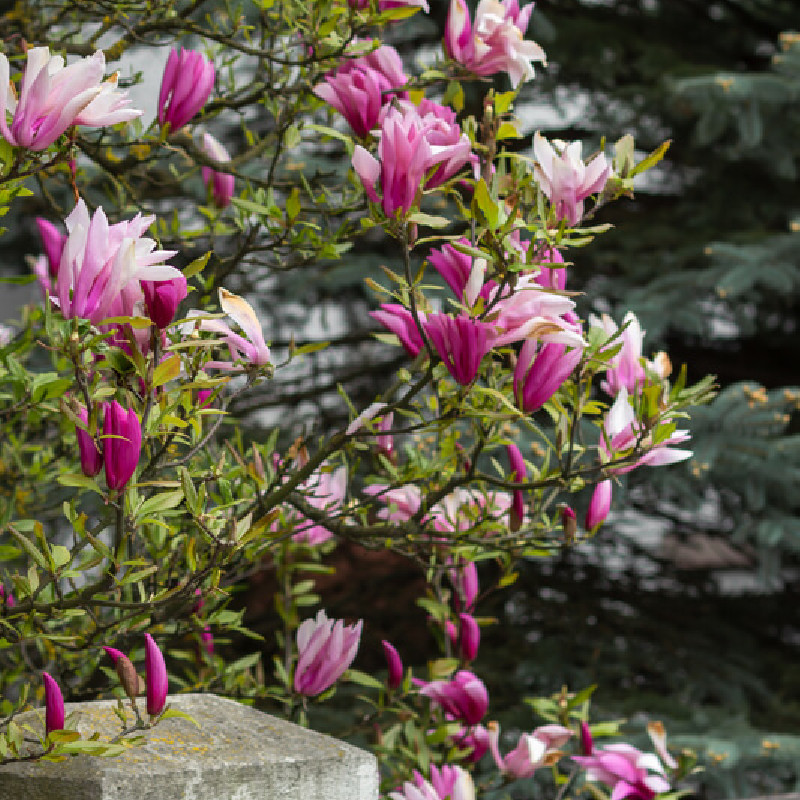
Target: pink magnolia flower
(627,367)
(410,146)
(156,681)
(461,343)
(185,87)
(46,267)
(402,502)
(469,636)
(534,750)
(551,277)
(221,182)
(122,444)
(624,431)
(99,262)
(400,321)
(464,577)
(464,697)
(518,474)
(91,457)
(446,783)
(658,736)
(451,782)
(626,771)
(324,491)
(450,147)
(540,371)
(495,43)
(6,598)
(475,739)
(253,350)
(531,312)
(361,88)
(599,506)
(565,179)
(325,648)
(54,97)
(394,663)
(162,298)
(53,705)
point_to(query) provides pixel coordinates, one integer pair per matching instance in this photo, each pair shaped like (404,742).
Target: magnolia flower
(469,636)
(565,179)
(626,771)
(531,312)
(324,491)
(402,502)
(53,705)
(540,371)
(100,262)
(461,343)
(599,506)
(395,664)
(400,321)
(156,681)
(325,649)
(53,97)
(495,43)
(534,750)
(410,147)
(361,87)
(464,697)
(162,298)
(221,183)
(624,431)
(518,474)
(252,349)
(122,444)
(91,457)
(464,577)
(186,85)
(446,783)
(475,739)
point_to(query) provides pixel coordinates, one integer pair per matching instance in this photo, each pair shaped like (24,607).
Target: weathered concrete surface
(236,754)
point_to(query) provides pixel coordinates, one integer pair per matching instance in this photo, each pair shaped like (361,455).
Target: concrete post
(237,753)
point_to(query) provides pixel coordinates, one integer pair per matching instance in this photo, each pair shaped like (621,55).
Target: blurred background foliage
(686,603)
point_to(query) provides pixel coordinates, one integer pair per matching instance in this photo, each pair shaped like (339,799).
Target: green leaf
(167,370)
(173,713)
(362,679)
(652,159)
(61,555)
(197,266)
(160,502)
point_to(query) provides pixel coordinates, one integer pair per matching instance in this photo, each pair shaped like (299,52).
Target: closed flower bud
(222,184)
(156,683)
(569,523)
(395,664)
(162,298)
(122,444)
(469,636)
(53,705)
(128,677)
(91,457)
(599,505)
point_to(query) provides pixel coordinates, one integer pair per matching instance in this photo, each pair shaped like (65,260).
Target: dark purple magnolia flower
(122,444)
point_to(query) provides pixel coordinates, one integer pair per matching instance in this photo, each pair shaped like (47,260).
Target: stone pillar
(237,753)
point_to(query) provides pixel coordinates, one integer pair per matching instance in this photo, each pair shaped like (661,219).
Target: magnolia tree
(145,472)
